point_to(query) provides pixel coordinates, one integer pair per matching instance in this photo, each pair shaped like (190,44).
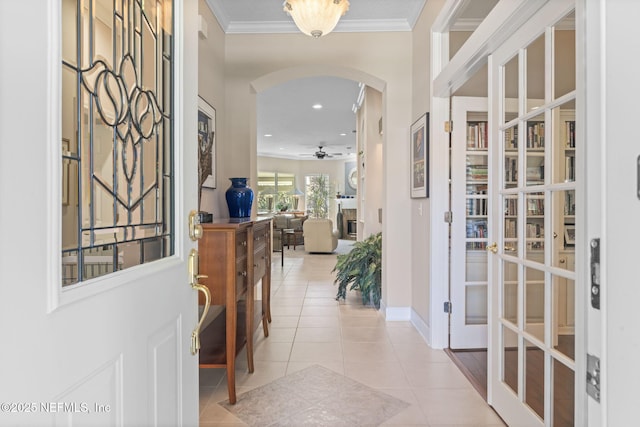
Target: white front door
(534,329)
(95,349)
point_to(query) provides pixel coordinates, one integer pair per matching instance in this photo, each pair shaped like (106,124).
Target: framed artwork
(420,157)
(570,235)
(206,145)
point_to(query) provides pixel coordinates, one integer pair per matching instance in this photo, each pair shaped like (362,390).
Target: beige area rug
(315,396)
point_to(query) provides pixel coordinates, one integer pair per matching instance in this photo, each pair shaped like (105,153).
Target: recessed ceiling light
(343,134)
(317,106)
(268,135)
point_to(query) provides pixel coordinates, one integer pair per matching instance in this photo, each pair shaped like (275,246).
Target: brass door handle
(195,335)
(194,277)
(493,248)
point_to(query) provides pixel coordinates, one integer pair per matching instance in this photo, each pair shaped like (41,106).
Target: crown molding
(220,15)
(266,27)
(344,26)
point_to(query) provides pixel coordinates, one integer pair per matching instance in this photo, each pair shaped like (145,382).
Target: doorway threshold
(473,365)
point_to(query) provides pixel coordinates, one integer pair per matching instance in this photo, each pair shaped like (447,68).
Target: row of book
(511,138)
(477,172)
(570,203)
(511,207)
(476,229)
(511,169)
(477,207)
(477,136)
(570,129)
(535,207)
(570,168)
(535,230)
(535,134)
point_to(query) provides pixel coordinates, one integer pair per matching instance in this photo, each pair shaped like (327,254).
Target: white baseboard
(404,314)
(421,326)
(395,314)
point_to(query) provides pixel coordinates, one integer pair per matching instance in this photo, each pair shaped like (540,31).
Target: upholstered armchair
(319,235)
(287,221)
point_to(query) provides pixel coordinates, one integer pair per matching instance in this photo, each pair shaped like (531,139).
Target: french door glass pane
(535,139)
(534,222)
(475,305)
(535,73)
(564,141)
(534,302)
(534,378)
(564,56)
(510,85)
(511,225)
(510,358)
(563,241)
(563,395)
(511,157)
(510,292)
(564,315)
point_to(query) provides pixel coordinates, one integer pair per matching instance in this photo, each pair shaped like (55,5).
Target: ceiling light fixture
(317,106)
(316,18)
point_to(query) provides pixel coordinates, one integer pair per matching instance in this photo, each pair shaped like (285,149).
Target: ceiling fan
(321,154)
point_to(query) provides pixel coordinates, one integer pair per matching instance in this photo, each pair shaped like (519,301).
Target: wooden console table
(235,254)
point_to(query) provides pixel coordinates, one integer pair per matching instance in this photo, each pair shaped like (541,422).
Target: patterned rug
(315,396)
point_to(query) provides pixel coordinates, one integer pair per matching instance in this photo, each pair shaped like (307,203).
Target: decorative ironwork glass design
(117,144)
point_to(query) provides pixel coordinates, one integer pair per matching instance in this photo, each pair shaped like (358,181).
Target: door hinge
(448,126)
(593,377)
(595,273)
(448,217)
(447,307)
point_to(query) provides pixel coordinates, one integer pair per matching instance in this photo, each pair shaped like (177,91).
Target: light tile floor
(309,327)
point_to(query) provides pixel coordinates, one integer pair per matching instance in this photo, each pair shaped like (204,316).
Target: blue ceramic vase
(239,198)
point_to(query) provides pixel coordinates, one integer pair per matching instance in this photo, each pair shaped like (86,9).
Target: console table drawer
(259,263)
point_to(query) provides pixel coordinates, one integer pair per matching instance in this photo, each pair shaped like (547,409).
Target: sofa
(319,235)
(287,221)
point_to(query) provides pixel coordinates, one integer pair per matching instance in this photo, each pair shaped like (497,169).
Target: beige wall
(420,209)
(211,87)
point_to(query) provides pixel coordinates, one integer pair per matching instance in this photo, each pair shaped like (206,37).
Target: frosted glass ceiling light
(316,18)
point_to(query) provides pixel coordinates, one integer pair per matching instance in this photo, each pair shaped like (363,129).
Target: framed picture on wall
(206,145)
(569,235)
(420,157)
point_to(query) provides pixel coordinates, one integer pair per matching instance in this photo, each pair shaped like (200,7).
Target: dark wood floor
(473,364)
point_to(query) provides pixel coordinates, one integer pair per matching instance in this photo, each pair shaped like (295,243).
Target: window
(317,195)
(117,144)
(275,190)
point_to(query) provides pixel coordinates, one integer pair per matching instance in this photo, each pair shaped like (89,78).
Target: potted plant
(362,269)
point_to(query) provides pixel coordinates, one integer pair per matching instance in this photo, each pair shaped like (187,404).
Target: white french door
(469,234)
(114,349)
(532,373)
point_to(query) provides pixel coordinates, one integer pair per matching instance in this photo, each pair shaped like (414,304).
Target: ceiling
(285,112)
